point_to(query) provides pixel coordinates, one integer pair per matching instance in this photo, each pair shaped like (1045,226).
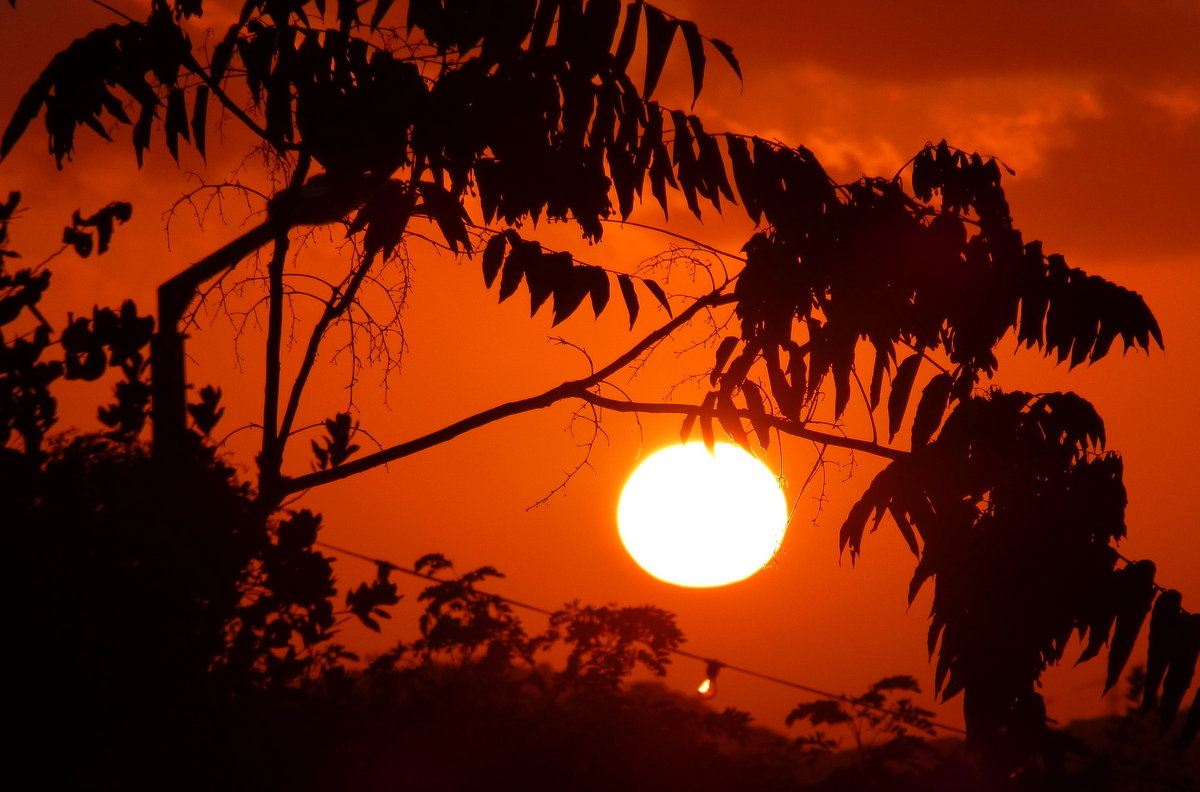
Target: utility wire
(384,564)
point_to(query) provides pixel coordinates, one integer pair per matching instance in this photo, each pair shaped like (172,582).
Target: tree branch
(573,389)
(333,309)
(316,202)
(787,426)
(271,459)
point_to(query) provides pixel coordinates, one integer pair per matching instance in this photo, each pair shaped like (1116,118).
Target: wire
(384,564)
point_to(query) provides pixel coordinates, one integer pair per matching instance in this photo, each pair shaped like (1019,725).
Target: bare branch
(567,390)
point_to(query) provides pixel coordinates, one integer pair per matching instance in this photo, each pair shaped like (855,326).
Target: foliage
(151,599)
(460,712)
(526,112)
(873,719)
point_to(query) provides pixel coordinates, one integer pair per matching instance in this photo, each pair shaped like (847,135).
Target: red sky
(1097,113)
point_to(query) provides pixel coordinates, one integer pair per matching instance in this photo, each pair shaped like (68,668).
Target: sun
(697,518)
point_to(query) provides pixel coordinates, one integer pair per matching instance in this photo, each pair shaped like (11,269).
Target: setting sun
(695,518)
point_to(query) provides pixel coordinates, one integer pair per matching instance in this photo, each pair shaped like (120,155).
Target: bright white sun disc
(695,518)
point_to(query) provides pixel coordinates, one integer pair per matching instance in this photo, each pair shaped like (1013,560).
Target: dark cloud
(1124,183)
(935,41)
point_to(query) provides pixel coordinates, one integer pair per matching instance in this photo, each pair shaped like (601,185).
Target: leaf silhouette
(542,276)
(727,53)
(695,48)
(598,288)
(493,258)
(706,427)
(627,293)
(743,174)
(381,9)
(200,118)
(1136,595)
(685,431)
(207,412)
(724,350)
(515,265)
(660,31)
(754,403)
(569,291)
(27,110)
(628,40)
(659,294)
(1181,666)
(730,422)
(931,408)
(902,384)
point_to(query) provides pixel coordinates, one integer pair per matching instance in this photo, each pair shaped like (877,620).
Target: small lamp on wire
(708,687)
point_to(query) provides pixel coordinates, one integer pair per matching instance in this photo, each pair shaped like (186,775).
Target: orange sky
(1098,115)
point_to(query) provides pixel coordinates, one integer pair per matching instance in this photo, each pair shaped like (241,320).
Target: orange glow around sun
(695,518)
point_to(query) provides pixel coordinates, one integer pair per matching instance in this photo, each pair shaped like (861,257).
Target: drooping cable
(712,666)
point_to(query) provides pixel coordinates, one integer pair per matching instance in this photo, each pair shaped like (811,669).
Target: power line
(711,662)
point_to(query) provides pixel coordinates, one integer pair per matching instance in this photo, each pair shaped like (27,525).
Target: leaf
(80,240)
(630,297)
(493,258)
(658,293)
(727,53)
(515,265)
(931,408)
(381,9)
(542,23)
(730,422)
(690,177)
(660,31)
(1181,667)
(27,110)
(854,526)
(712,165)
(1164,629)
(597,288)
(1136,594)
(600,19)
(754,403)
(902,384)
(141,131)
(906,530)
(569,291)
(743,174)
(724,350)
(695,47)
(819,712)
(706,427)
(843,366)
(199,118)
(542,277)
(788,398)
(176,122)
(207,412)
(628,40)
(448,213)
(877,371)
(661,175)
(685,431)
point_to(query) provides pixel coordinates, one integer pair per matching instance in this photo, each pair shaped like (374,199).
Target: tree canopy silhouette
(380,119)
